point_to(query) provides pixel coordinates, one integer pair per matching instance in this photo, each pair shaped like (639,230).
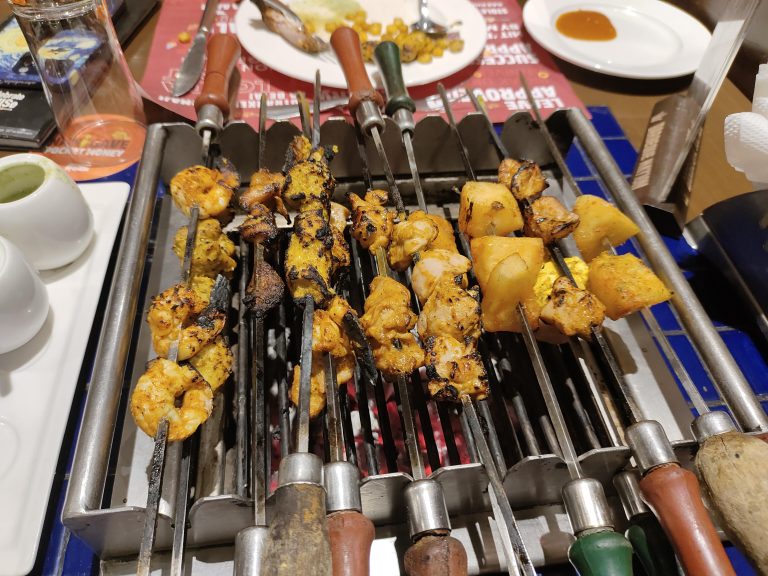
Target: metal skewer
(598,549)
(722,446)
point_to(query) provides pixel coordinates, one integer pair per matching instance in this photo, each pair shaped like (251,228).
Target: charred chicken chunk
(524,179)
(309,185)
(298,151)
(410,237)
(340,252)
(264,188)
(260,226)
(624,284)
(454,370)
(387,322)
(372,222)
(488,209)
(264,291)
(548,219)
(213,252)
(445,239)
(451,311)
(308,258)
(573,311)
(436,265)
(207,188)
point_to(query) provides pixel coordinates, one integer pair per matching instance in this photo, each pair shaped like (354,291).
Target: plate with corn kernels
(425,59)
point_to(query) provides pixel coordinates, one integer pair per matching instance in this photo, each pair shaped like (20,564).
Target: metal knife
(192,66)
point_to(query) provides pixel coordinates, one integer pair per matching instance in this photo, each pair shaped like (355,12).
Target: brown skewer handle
(436,555)
(351,536)
(223,52)
(733,468)
(673,494)
(346,44)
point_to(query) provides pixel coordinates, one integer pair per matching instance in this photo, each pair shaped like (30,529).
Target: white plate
(38,380)
(273,51)
(654,39)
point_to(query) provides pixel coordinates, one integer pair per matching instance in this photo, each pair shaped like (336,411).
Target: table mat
(494,75)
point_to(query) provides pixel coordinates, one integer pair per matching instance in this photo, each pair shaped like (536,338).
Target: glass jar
(86,79)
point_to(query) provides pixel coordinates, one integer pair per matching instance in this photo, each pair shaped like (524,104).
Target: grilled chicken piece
(328,336)
(445,239)
(372,222)
(293,32)
(573,311)
(524,179)
(213,251)
(308,258)
(298,151)
(387,322)
(259,227)
(202,287)
(454,369)
(207,188)
(309,184)
(340,257)
(264,291)
(410,237)
(264,188)
(436,265)
(488,209)
(548,219)
(451,311)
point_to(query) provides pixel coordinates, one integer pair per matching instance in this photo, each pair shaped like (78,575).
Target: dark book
(26,120)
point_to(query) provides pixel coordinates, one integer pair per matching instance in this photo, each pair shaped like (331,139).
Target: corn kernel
(437,52)
(331,26)
(424,58)
(442,42)
(349,16)
(387,37)
(184,37)
(309,28)
(456,45)
(363,36)
(398,22)
(375,28)
(391,30)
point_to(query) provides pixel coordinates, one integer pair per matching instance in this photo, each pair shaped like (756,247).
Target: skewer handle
(351,536)
(733,468)
(298,534)
(605,553)
(223,52)
(387,55)
(346,44)
(436,555)
(674,495)
(249,550)
(651,545)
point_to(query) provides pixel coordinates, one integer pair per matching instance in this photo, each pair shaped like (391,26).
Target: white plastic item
(42,211)
(23,299)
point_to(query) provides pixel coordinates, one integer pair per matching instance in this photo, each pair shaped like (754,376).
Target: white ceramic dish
(38,380)
(654,40)
(273,51)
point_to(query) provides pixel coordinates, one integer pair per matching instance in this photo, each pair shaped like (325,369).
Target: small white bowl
(42,211)
(23,298)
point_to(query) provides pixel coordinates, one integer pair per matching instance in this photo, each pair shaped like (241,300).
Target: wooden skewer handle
(651,545)
(346,44)
(605,553)
(222,53)
(733,468)
(351,536)
(297,542)
(436,555)
(674,495)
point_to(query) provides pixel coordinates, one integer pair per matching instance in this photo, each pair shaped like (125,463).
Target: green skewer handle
(604,553)
(651,546)
(387,55)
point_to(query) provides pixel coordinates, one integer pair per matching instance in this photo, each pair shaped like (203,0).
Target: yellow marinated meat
(213,252)
(207,188)
(436,265)
(454,370)
(409,237)
(214,363)
(573,311)
(548,219)
(308,259)
(451,311)
(372,222)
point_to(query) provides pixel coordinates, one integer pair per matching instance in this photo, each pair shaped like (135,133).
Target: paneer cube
(488,251)
(599,220)
(488,209)
(624,284)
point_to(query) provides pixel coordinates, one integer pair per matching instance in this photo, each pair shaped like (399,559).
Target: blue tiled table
(60,554)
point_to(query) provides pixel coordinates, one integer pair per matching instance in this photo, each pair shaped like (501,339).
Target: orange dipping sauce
(585,25)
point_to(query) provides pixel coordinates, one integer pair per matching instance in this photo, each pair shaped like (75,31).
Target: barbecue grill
(108,486)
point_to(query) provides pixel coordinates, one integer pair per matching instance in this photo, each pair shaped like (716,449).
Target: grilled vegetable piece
(308,258)
(340,257)
(264,291)
(387,322)
(488,209)
(213,252)
(523,178)
(506,270)
(160,388)
(548,219)
(410,237)
(264,188)
(436,265)
(259,227)
(600,220)
(451,311)
(624,284)
(207,188)
(372,222)
(550,272)
(573,311)
(214,363)
(454,369)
